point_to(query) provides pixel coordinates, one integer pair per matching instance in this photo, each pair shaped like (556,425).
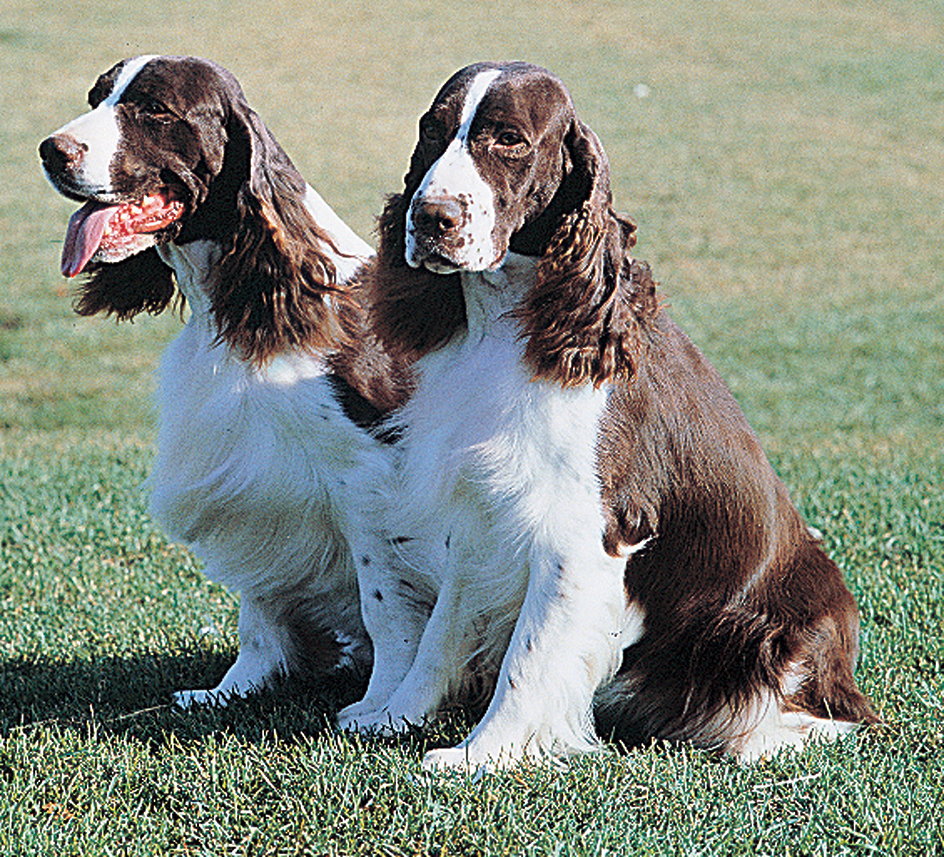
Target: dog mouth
(440,264)
(438,260)
(432,252)
(111,232)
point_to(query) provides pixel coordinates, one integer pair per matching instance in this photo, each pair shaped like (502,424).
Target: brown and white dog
(588,524)
(259,455)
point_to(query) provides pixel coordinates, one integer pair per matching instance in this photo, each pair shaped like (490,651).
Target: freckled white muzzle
(464,239)
(97,134)
(451,217)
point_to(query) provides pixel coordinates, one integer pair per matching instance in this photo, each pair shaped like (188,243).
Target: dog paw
(478,759)
(350,713)
(379,721)
(789,731)
(448,759)
(188,698)
(457,760)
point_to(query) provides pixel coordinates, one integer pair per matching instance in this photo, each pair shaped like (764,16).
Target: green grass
(785,169)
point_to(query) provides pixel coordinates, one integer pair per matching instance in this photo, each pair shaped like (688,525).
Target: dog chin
(130,245)
(436,263)
(441,265)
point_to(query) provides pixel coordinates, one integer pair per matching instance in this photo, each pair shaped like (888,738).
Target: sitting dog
(266,395)
(588,526)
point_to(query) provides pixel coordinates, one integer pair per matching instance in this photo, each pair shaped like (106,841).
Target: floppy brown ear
(580,320)
(140,283)
(415,310)
(275,272)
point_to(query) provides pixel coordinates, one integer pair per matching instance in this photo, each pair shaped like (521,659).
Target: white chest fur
(239,442)
(499,520)
(262,475)
(254,455)
(495,462)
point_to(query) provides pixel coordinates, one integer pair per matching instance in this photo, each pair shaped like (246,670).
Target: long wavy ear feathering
(275,280)
(140,283)
(581,318)
(415,310)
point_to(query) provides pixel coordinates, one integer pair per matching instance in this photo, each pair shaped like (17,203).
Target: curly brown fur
(415,311)
(274,276)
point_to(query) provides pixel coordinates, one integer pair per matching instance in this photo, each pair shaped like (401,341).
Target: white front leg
(395,609)
(566,642)
(421,689)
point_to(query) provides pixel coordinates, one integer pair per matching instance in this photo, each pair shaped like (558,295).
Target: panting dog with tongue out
(129,206)
(113,232)
(267,395)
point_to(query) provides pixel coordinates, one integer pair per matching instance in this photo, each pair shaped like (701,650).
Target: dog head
(503,165)
(171,152)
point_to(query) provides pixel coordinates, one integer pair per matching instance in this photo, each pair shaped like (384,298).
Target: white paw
(188,698)
(450,759)
(757,748)
(379,721)
(791,731)
(350,713)
(465,758)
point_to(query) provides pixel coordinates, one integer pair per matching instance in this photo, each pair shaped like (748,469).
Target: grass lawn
(786,168)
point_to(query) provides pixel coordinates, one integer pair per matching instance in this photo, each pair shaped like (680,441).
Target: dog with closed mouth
(588,527)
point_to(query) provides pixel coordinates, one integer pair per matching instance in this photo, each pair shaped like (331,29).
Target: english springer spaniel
(184,188)
(590,531)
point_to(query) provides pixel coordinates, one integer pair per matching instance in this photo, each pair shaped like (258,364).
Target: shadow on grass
(130,697)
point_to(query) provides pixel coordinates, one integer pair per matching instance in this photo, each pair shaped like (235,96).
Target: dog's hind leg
(264,649)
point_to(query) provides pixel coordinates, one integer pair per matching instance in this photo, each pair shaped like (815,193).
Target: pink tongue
(83,236)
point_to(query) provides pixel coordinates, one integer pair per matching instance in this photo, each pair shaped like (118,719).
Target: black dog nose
(438,215)
(61,152)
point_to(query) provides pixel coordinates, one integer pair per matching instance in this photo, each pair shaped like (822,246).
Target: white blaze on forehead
(455,176)
(129,71)
(473,98)
(98,131)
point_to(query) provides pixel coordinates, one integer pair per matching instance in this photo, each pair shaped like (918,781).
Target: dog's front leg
(395,606)
(433,668)
(566,642)
(263,656)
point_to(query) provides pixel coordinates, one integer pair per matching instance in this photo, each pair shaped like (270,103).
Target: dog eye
(154,109)
(509,139)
